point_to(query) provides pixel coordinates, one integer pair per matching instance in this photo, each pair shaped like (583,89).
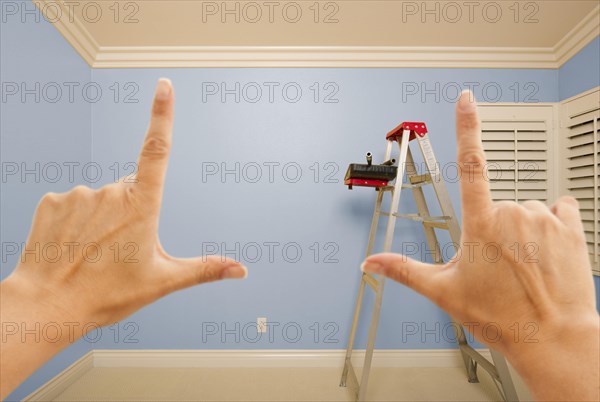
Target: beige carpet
(277,384)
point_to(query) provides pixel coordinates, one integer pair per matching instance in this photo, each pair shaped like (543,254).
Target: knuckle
(534,205)
(207,273)
(155,148)
(469,121)
(80,192)
(80,189)
(509,211)
(49,199)
(472,159)
(403,275)
(161,108)
(568,200)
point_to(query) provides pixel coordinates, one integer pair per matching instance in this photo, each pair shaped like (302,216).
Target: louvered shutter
(517,142)
(580,122)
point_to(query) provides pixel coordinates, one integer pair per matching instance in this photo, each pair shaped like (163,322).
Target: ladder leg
(506,382)
(362,392)
(347,360)
(361,291)
(374,223)
(421,203)
(387,247)
(470,364)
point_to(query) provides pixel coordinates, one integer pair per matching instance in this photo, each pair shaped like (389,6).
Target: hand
(120,221)
(534,274)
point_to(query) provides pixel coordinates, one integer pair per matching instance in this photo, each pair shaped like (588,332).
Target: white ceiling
(152,33)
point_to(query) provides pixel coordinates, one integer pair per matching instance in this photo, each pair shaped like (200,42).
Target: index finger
(474,186)
(154,156)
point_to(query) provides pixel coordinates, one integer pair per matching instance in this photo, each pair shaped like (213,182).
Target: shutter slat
(580,129)
(517,153)
(499,145)
(511,125)
(531,155)
(583,139)
(579,161)
(582,171)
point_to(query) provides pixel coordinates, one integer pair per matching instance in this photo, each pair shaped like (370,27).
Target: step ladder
(403,134)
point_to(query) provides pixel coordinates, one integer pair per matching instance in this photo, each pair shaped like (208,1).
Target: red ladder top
(416,128)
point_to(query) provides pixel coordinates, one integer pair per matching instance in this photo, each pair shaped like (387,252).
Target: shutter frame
(580,148)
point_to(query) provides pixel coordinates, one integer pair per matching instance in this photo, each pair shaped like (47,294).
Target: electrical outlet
(261,324)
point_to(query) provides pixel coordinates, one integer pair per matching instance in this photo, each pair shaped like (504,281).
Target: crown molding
(579,37)
(325,56)
(71,29)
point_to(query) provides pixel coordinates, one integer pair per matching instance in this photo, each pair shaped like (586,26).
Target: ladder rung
(419,218)
(413,185)
(437,225)
(370,280)
(420,179)
(482,361)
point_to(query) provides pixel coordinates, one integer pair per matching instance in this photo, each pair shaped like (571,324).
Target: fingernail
(237,271)
(467,102)
(163,89)
(371,267)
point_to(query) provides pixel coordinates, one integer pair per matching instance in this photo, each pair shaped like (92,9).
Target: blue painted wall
(201,209)
(581,72)
(48,131)
(316,133)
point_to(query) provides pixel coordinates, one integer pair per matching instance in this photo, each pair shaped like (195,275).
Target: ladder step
(414,185)
(421,178)
(370,280)
(437,225)
(439,222)
(385,188)
(419,218)
(418,181)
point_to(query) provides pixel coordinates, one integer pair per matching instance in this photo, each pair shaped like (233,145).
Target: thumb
(185,272)
(417,275)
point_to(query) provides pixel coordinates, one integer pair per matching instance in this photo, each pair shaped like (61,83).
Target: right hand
(540,287)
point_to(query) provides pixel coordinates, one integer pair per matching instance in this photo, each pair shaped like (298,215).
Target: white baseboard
(242,358)
(63,380)
(274,358)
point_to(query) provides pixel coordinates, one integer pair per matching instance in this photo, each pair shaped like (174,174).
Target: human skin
(74,292)
(547,287)
(554,290)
